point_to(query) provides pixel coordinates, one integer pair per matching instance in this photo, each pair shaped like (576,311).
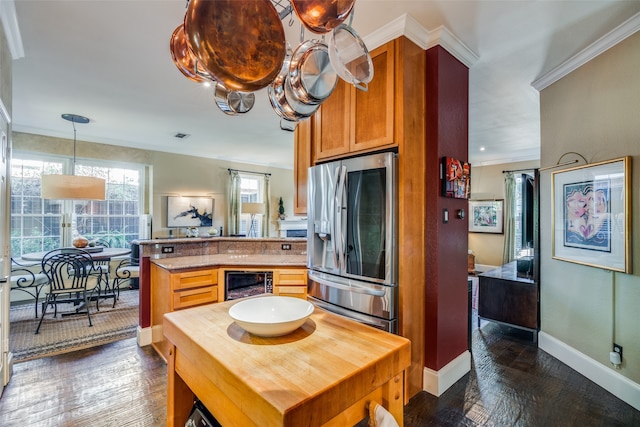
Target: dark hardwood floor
(512,383)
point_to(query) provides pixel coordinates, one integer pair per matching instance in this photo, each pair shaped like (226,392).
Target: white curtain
(266,199)
(508,253)
(235,203)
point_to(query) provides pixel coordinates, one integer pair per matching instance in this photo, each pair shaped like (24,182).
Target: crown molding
(445,38)
(612,38)
(406,25)
(9,21)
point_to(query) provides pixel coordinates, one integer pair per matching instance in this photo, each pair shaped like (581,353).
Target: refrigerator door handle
(350,288)
(340,237)
(334,226)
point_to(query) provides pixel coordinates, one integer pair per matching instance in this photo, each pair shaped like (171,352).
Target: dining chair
(128,268)
(103,264)
(73,278)
(24,279)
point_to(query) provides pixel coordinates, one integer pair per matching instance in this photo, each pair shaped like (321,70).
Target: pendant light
(72,187)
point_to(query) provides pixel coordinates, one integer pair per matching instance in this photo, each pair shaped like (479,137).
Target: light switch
(445,216)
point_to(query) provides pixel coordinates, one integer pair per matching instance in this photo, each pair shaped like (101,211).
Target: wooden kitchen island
(324,373)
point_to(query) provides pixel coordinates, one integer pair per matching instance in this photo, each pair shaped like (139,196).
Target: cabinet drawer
(291,291)
(193,297)
(194,279)
(290,277)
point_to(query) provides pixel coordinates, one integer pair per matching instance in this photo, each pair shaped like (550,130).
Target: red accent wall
(145,292)
(447,132)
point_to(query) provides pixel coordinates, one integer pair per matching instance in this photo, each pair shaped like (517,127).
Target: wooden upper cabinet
(301,163)
(372,111)
(331,132)
(352,120)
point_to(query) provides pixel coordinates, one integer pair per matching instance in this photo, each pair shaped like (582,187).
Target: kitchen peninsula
(195,263)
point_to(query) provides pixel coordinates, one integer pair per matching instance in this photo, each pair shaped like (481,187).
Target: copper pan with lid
(322,16)
(184,58)
(240,42)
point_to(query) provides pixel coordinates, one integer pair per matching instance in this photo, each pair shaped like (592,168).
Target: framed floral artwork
(591,215)
(486,216)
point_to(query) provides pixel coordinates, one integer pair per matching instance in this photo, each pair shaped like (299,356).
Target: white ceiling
(110,61)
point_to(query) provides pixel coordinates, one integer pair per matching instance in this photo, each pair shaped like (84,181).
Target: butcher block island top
(324,373)
(231,260)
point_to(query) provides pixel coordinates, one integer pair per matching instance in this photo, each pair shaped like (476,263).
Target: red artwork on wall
(456,182)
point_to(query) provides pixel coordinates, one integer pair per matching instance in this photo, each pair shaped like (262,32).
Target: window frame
(67,207)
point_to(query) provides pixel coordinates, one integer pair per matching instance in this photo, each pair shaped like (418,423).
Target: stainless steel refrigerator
(352,238)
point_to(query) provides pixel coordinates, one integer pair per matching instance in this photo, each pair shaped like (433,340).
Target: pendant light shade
(72,187)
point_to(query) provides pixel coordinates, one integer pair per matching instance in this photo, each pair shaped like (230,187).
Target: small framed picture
(591,215)
(456,178)
(486,216)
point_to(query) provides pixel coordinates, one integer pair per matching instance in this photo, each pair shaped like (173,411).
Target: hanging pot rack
(285,10)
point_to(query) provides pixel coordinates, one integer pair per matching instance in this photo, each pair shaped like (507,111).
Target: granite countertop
(506,272)
(218,239)
(228,260)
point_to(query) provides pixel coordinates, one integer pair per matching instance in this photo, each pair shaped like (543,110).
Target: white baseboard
(437,382)
(9,369)
(144,336)
(618,385)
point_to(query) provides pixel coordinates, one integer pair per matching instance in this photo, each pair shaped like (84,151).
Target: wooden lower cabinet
(290,282)
(176,291)
(191,288)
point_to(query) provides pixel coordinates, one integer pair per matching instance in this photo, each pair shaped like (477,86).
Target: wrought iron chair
(25,280)
(103,264)
(73,278)
(127,269)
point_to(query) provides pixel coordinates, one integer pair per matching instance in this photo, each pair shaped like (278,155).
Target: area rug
(65,334)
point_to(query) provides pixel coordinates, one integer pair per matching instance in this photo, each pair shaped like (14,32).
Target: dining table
(98,253)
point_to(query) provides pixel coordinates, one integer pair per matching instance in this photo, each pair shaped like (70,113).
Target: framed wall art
(456,178)
(486,216)
(189,211)
(591,215)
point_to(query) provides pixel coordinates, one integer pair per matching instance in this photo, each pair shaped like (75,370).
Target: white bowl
(271,316)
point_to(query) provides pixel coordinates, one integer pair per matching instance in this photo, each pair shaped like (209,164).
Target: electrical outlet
(618,349)
(167,249)
(286,247)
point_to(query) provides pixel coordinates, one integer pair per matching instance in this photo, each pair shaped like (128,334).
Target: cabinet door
(290,282)
(372,112)
(193,297)
(331,130)
(301,163)
(193,279)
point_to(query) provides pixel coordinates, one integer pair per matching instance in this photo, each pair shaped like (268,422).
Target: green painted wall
(593,111)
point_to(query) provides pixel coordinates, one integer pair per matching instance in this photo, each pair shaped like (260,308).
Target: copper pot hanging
(240,42)
(322,16)
(184,58)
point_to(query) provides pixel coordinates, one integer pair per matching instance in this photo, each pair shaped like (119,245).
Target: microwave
(241,284)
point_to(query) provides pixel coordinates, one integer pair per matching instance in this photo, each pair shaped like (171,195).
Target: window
(251,191)
(36,223)
(524,207)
